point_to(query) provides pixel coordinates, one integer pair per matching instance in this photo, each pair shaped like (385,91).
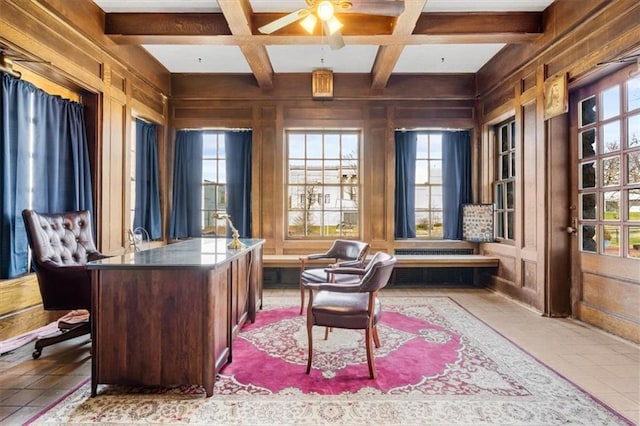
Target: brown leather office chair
(61,245)
(343,253)
(351,306)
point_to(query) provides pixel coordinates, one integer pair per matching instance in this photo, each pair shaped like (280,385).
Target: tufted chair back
(61,245)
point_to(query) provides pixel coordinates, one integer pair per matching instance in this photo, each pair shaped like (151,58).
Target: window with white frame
(323,183)
(428,185)
(505,184)
(214,183)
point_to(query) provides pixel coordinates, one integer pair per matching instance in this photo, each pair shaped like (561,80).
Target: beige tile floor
(604,365)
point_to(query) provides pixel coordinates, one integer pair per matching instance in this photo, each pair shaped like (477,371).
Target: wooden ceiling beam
(514,26)
(238,14)
(388,55)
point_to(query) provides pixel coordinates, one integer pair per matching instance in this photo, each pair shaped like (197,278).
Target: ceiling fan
(324,11)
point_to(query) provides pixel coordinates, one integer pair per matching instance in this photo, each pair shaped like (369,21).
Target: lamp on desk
(235,244)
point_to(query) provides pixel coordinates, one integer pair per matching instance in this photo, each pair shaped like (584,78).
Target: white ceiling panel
(445,58)
(200,58)
(292,58)
(303,58)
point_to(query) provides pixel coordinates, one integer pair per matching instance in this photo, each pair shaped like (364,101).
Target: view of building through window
(323,183)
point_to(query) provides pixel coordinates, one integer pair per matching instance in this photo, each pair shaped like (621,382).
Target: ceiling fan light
(309,23)
(325,10)
(333,25)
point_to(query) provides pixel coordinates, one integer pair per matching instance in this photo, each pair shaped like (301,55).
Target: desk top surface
(193,253)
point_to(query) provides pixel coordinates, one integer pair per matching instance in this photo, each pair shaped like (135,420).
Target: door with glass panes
(605,191)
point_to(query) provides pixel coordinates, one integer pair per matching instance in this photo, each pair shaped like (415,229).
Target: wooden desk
(167,316)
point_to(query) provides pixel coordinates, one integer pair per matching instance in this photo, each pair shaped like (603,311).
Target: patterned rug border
(278,302)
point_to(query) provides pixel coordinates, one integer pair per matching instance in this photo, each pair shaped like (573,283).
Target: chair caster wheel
(36,353)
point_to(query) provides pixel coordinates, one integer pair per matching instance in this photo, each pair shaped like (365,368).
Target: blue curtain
(186,215)
(147,209)
(456,180)
(238,159)
(405,203)
(43,137)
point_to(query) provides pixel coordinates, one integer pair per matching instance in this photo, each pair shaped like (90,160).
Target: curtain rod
(6,66)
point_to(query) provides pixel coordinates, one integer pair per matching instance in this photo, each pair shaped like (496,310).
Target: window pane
(436,224)
(350,146)
(422,223)
(611,102)
(435,146)
(313,173)
(504,139)
(296,145)
(436,197)
(611,240)
(296,171)
(510,226)
(588,111)
(314,146)
(435,172)
(510,194)
(500,225)
(611,171)
(633,236)
(499,196)
(611,205)
(633,201)
(611,137)
(422,172)
(331,171)
(209,171)
(588,145)
(633,167)
(588,242)
(633,94)
(588,206)
(422,197)
(588,175)
(633,131)
(504,173)
(331,146)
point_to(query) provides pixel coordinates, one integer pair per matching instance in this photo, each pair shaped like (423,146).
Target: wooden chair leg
(326,333)
(376,338)
(370,357)
(310,340)
(301,297)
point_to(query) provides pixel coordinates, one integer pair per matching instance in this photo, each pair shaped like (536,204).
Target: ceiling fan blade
(283,21)
(376,7)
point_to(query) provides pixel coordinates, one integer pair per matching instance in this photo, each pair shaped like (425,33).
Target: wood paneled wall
(113,82)
(211,101)
(536,267)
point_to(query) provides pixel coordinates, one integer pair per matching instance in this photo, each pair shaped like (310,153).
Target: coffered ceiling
(221,36)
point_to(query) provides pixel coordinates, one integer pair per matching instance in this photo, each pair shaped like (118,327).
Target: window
(214,183)
(609,170)
(504,195)
(428,189)
(323,176)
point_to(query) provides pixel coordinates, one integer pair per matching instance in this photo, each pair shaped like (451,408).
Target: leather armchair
(61,245)
(343,253)
(351,306)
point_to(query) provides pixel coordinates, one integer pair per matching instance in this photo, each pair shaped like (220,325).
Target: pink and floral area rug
(438,365)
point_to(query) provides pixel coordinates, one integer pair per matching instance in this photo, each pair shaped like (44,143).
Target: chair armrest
(96,256)
(345,270)
(349,263)
(316,256)
(337,288)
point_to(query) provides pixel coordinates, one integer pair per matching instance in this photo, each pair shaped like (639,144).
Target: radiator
(434,251)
